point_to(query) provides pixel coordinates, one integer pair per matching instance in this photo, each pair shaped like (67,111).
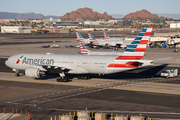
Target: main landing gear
(84,77)
(62,78)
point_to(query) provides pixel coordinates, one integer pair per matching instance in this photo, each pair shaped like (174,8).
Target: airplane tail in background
(92,39)
(84,50)
(79,37)
(106,36)
(135,51)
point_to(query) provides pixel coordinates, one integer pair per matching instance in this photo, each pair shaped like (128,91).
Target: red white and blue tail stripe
(134,52)
(106,36)
(84,50)
(92,39)
(79,37)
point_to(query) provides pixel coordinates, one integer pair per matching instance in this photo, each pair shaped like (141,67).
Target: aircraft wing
(62,67)
(159,59)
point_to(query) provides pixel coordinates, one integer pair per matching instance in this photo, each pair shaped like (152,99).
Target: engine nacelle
(33,72)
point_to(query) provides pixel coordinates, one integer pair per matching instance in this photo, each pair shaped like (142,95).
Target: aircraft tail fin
(84,50)
(106,36)
(92,39)
(79,37)
(135,51)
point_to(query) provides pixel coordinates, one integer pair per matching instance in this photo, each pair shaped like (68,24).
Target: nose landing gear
(16,72)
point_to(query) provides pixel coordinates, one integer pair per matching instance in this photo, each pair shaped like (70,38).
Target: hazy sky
(60,7)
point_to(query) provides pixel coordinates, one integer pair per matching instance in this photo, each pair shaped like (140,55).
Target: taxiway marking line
(144,91)
(157,86)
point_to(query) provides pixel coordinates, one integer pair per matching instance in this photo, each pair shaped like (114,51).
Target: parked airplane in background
(84,50)
(9,31)
(123,45)
(105,42)
(93,42)
(80,38)
(106,36)
(36,65)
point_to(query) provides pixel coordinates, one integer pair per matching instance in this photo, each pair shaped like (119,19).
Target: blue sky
(60,7)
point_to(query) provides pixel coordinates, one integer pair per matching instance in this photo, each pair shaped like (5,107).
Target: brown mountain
(85,13)
(143,14)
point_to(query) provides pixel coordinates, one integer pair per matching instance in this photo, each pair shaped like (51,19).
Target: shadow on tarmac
(148,72)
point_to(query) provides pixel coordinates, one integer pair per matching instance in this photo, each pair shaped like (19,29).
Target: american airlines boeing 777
(36,65)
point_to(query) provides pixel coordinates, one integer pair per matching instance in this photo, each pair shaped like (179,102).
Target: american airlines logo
(19,59)
(35,61)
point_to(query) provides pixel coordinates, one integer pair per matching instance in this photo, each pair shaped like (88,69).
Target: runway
(140,91)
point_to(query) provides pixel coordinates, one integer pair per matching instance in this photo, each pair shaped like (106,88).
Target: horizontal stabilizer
(159,59)
(134,63)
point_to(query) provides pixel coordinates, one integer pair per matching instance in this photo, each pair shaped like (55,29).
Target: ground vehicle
(54,46)
(45,46)
(169,72)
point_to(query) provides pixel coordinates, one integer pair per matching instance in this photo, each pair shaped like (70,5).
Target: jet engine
(33,72)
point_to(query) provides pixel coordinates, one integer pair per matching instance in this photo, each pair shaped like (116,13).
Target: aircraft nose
(7,63)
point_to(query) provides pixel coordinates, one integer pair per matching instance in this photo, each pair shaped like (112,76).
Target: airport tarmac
(140,91)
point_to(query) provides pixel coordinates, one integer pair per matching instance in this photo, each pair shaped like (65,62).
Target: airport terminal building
(15,29)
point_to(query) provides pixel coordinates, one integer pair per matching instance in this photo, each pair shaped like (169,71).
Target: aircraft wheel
(63,80)
(82,77)
(66,79)
(17,74)
(85,77)
(58,79)
(78,77)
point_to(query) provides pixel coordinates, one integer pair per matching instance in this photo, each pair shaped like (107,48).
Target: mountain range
(86,14)
(23,16)
(81,13)
(143,14)
(173,16)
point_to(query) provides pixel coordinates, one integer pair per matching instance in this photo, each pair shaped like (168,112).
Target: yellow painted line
(178,60)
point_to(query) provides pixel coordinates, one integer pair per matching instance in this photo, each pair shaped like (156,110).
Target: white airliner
(36,65)
(85,51)
(92,41)
(123,45)
(115,42)
(9,31)
(106,36)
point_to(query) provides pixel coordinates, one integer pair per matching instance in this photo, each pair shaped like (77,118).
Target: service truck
(169,73)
